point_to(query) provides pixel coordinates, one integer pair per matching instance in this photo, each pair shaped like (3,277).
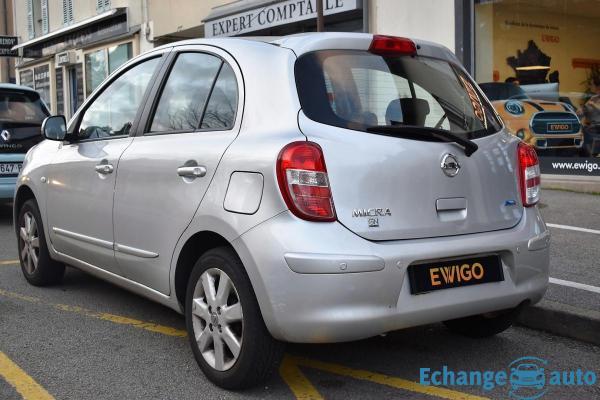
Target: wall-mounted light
(532,68)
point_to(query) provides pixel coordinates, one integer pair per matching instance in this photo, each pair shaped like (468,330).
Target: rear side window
(359,90)
(200,93)
(21,107)
(222,106)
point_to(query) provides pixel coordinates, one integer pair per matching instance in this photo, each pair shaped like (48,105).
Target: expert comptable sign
(280,13)
(6,44)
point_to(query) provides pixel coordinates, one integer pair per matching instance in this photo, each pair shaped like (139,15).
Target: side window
(113,111)
(222,106)
(185,93)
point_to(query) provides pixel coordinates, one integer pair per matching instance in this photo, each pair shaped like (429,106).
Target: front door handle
(104,169)
(195,171)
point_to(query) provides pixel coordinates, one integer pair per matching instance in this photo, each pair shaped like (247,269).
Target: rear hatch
(21,116)
(382,122)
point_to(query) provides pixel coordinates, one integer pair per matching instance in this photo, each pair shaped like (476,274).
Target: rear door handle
(104,169)
(196,171)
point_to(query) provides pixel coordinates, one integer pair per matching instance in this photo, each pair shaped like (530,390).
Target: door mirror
(55,128)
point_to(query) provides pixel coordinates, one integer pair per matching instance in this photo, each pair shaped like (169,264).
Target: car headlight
(514,107)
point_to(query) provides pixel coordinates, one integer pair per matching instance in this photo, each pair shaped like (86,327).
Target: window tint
(222,106)
(359,90)
(113,111)
(184,96)
(21,107)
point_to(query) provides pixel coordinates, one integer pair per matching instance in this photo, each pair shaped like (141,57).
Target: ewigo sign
(278,13)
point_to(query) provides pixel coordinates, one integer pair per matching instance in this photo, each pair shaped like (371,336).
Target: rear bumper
(7,184)
(7,188)
(330,300)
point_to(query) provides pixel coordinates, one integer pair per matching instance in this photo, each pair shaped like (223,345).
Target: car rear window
(357,90)
(21,107)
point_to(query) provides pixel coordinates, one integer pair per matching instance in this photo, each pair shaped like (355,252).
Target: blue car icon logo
(527,378)
(527,375)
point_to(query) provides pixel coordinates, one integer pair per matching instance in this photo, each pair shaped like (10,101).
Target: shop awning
(109,23)
(244,16)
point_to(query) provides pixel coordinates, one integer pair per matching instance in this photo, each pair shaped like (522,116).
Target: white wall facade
(431,20)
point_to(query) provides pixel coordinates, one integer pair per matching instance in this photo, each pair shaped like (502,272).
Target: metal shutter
(102,5)
(30,26)
(44,7)
(67,11)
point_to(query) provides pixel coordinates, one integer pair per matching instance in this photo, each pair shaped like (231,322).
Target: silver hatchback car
(312,188)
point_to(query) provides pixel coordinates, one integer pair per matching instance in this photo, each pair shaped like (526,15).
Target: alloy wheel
(30,242)
(217,319)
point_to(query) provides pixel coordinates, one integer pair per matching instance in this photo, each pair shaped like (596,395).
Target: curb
(563,320)
(573,183)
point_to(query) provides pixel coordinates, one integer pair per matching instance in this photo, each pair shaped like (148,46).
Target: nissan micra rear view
(312,188)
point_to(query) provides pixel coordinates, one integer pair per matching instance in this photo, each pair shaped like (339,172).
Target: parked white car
(315,188)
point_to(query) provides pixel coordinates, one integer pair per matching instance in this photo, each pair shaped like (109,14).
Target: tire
(259,354)
(37,266)
(484,325)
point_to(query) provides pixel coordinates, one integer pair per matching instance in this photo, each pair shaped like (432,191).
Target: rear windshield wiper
(418,132)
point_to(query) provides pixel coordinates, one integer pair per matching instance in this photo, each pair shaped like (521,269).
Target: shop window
(26,78)
(41,82)
(118,55)
(539,63)
(95,70)
(99,64)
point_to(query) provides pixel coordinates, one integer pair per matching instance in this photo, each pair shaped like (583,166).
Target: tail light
(529,175)
(391,45)
(303,182)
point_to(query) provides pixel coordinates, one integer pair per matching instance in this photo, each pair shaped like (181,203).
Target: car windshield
(362,91)
(26,107)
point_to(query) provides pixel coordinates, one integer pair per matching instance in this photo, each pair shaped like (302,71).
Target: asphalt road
(88,339)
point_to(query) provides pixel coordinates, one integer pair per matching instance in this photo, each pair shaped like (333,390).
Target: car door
(82,176)
(166,171)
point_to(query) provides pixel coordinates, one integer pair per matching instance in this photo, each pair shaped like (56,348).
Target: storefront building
(539,63)
(73,47)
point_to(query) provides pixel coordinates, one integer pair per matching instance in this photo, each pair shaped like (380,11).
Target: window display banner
(570,166)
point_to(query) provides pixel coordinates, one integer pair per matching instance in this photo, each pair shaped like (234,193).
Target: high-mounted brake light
(529,174)
(303,182)
(392,45)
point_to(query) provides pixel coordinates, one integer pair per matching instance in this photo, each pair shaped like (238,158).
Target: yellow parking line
(10,262)
(165,330)
(23,383)
(301,387)
(297,382)
(381,379)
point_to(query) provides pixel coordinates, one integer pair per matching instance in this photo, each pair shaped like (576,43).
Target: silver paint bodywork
(315,282)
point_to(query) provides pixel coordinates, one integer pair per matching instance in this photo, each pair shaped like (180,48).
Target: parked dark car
(21,115)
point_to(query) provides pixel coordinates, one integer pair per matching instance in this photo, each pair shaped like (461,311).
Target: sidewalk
(571,306)
(582,184)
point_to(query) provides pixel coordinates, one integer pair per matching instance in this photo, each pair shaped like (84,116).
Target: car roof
(312,41)
(12,86)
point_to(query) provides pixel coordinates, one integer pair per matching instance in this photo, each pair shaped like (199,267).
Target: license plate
(10,169)
(557,127)
(437,275)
